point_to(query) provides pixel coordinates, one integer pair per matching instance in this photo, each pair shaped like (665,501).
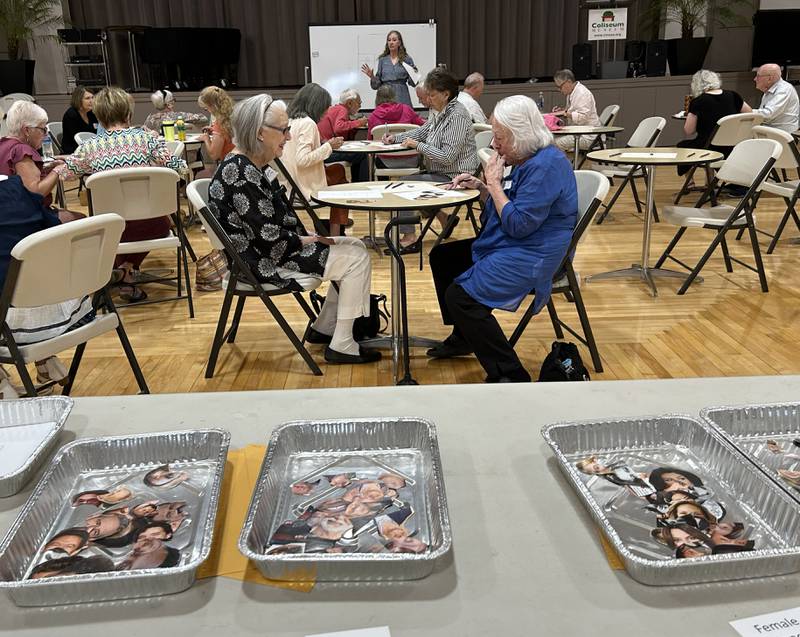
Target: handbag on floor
(366,326)
(563,363)
(210,271)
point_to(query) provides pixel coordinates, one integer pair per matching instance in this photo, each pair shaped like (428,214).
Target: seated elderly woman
(710,102)
(446,141)
(124,146)
(19,154)
(164,103)
(304,156)
(527,221)
(250,206)
(22,215)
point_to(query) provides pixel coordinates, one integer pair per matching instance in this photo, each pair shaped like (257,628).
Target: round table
(680,116)
(577,131)
(394,197)
(649,158)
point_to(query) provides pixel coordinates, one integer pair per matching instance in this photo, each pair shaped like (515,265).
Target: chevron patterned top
(120,149)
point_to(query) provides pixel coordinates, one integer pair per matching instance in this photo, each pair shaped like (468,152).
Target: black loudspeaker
(582,61)
(635,54)
(656,62)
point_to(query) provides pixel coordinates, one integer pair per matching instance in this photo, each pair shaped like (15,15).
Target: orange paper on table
(238,484)
(614,560)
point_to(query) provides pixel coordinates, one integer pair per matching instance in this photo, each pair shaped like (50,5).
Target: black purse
(563,363)
(366,326)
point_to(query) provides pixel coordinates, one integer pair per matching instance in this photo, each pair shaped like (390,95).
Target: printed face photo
(407,545)
(150,553)
(304,488)
(105,525)
(75,565)
(283,549)
(116,496)
(332,528)
(145,509)
(341,479)
(590,465)
(158,531)
(392,481)
(389,529)
(163,477)
(88,497)
(70,541)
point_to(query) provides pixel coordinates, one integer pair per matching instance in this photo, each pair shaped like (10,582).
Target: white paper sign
(382,631)
(608,24)
(784,623)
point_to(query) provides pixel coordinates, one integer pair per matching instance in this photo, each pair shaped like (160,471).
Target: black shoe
(364,356)
(411,248)
(449,348)
(317,338)
(448,231)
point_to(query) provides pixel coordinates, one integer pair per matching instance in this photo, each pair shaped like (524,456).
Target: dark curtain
(504,39)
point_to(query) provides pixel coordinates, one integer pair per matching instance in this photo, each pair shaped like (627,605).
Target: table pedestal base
(642,273)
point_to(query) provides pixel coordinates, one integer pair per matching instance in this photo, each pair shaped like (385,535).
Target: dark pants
(472,321)
(142,230)
(359,165)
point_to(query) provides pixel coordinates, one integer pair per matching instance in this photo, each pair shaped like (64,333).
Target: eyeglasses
(41,128)
(283,131)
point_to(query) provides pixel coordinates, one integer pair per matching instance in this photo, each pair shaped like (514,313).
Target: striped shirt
(120,149)
(447,141)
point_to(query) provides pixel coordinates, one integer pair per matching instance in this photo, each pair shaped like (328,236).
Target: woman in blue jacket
(527,223)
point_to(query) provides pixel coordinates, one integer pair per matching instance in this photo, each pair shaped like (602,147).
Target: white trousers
(567,142)
(350,266)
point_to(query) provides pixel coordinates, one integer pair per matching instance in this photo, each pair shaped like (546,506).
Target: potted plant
(19,21)
(687,53)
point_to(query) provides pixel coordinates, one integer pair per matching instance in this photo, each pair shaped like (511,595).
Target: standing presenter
(393,68)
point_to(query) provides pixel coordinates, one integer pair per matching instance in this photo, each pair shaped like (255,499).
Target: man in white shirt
(780,105)
(473,89)
(425,99)
(579,111)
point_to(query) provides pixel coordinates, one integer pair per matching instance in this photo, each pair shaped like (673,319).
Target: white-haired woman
(710,102)
(248,202)
(164,103)
(528,220)
(340,121)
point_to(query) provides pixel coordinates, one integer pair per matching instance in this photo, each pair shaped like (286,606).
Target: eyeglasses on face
(283,130)
(41,128)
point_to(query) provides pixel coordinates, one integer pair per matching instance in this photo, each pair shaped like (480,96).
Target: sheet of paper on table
(649,155)
(349,194)
(381,631)
(393,187)
(782,623)
(422,195)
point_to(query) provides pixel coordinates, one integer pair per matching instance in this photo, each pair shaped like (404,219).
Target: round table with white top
(577,131)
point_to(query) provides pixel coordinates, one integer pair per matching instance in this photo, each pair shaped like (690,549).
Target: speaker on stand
(656,62)
(635,55)
(582,60)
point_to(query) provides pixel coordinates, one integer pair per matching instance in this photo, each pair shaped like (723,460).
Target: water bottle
(47,147)
(180,129)
(540,102)
(168,127)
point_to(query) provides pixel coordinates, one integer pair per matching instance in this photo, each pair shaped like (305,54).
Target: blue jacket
(521,251)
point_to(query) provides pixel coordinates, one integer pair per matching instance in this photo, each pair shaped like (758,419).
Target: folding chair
(483,139)
(145,192)
(56,130)
(52,266)
(592,189)
(477,128)
(645,136)
(241,283)
(788,190)
(607,118)
(728,131)
(297,200)
(80,138)
(748,165)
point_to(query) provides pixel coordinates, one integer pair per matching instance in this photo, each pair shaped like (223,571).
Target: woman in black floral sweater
(245,197)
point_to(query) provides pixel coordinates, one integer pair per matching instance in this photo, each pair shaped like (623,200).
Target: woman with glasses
(249,205)
(304,156)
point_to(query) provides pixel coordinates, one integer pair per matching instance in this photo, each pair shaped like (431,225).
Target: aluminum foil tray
(298,477)
(29,429)
(679,503)
(105,493)
(769,435)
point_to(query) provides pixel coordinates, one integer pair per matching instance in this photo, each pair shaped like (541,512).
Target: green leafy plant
(19,19)
(691,14)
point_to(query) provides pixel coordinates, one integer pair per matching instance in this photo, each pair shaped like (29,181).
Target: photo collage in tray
(343,510)
(665,509)
(783,456)
(126,520)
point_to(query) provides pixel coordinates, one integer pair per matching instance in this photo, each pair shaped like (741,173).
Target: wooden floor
(724,326)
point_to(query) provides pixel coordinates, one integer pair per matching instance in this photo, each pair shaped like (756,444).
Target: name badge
(506,184)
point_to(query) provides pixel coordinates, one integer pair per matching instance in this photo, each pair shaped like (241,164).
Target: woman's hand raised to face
(366,69)
(494,170)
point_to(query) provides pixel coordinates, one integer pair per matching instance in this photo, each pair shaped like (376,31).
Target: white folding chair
(607,118)
(175,148)
(479,128)
(80,138)
(748,165)
(399,164)
(483,139)
(592,189)
(728,131)
(645,136)
(141,193)
(59,264)
(56,133)
(241,283)
(788,190)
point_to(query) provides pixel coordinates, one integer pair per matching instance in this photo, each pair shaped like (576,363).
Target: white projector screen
(339,50)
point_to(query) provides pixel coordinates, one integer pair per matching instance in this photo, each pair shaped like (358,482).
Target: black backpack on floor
(563,363)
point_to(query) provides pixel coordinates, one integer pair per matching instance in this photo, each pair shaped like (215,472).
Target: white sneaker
(51,369)
(7,390)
